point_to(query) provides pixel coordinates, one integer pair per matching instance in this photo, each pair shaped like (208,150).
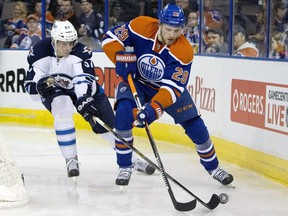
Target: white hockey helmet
(63,31)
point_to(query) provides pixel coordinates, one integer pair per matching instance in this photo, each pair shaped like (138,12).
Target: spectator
(15,24)
(68,14)
(129,10)
(281,17)
(241,46)
(212,18)
(278,46)
(115,12)
(259,35)
(215,42)
(49,17)
(184,4)
(100,6)
(191,30)
(150,8)
(55,9)
(92,23)
(29,36)
(241,18)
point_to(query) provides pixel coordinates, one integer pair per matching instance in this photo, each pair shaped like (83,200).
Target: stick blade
(214,202)
(185,206)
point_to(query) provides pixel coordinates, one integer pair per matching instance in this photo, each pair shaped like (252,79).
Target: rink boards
(243,102)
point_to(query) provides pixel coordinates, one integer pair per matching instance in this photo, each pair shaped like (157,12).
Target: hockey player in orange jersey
(160,65)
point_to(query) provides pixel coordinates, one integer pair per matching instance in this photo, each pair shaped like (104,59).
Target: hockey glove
(46,87)
(150,113)
(126,62)
(86,107)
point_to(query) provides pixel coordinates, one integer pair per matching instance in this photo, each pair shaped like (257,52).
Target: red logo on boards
(259,104)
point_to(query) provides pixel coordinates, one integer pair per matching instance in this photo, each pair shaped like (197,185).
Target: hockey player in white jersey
(62,73)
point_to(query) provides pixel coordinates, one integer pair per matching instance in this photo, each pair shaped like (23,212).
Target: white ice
(51,193)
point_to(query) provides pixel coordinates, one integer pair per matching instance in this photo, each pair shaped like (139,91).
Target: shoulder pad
(145,26)
(41,50)
(182,50)
(81,51)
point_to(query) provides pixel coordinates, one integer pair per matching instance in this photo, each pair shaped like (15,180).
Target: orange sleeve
(111,49)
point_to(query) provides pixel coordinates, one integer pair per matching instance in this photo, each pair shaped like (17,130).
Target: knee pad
(196,130)
(62,107)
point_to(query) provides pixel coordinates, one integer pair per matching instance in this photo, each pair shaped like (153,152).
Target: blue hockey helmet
(172,15)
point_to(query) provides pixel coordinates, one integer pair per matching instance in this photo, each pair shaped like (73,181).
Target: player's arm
(85,86)
(116,40)
(37,82)
(29,83)
(37,74)
(167,95)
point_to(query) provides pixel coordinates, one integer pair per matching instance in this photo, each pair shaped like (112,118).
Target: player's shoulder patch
(144,26)
(40,50)
(182,50)
(81,51)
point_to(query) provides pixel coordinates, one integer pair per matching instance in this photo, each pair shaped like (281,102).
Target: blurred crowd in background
(247,28)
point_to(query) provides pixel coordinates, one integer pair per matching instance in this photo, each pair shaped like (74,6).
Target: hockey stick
(215,199)
(177,205)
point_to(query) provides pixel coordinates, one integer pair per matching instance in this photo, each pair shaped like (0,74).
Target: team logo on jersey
(87,50)
(31,52)
(151,67)
(123,89)
(63,81)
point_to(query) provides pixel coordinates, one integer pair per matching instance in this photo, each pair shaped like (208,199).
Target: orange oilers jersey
(162,70)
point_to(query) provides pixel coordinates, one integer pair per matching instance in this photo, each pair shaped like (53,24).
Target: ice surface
(53,194)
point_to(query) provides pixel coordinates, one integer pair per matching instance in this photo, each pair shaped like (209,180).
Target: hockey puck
(224,198)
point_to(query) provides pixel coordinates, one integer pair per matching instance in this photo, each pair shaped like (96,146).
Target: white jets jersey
(76,68)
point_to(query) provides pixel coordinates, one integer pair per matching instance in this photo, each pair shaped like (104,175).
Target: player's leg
(106,114)
(62,110)
(123,126)
(197,131)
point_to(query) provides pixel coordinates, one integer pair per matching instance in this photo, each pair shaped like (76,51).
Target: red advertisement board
(260,104)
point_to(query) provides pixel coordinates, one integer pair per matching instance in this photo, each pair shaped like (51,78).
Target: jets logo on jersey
(87,50)
(31,52)
(151,67)
(63,81)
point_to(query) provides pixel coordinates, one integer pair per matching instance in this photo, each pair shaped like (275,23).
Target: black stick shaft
(214,201)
